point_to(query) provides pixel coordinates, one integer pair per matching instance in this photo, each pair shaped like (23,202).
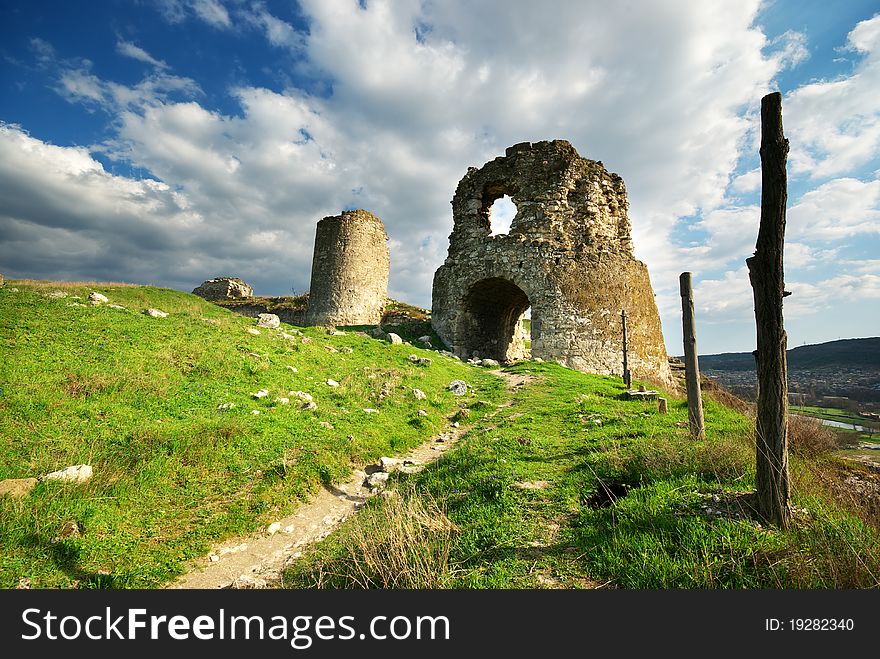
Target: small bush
(809,438)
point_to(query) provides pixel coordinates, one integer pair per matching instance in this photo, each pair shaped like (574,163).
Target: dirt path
(259,560)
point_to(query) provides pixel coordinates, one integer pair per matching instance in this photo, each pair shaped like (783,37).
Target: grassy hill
(845,353)
(163,409)
(560,482)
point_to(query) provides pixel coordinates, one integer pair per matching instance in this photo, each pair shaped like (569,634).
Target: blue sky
(170,141)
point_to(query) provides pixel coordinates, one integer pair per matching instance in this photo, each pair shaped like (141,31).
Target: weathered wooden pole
(691,366)
(627,378)
(766,276)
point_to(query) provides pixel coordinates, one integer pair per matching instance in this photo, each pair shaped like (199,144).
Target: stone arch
(488,325)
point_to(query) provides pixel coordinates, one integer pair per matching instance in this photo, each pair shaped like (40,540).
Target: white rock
(301,395)
(94,296)
(379,479)
(155,313)
(262,393)
(225,406)
(281,400)
(458,387)
(332,383)
(395,339)
(255,412)
(273,528)
(390,464)
(425,339)
(490,362)
(74,474)
(268,320)
(309,405)
(254,331)
(419,394)
(116,306)
(213,558)
(370,410)
(292,369)
(423,413)
(414,359)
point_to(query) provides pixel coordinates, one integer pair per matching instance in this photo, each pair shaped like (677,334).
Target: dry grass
(397,542)
(809,438)
(41,285)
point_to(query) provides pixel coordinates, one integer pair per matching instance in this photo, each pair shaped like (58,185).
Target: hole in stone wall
(501,214)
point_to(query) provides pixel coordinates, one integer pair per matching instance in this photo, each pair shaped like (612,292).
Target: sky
(167,142)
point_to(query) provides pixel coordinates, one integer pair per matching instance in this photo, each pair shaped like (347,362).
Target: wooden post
(662,408)
(627,377)
(691,367)
(766,277)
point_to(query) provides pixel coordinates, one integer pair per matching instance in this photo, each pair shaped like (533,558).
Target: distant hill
(855,353)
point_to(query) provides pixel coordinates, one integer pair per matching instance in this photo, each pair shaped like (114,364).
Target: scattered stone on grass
(458,387)
(309,405)
(74,474)
(268,320)
(332,383)
(419,394)
(262,393)
(394,339)
(94,296)
(17,487)
(155,313)
(254,331)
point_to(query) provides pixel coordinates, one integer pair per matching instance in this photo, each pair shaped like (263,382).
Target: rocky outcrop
(224,288)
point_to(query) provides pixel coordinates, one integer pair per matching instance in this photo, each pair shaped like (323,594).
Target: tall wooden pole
(691,366)
(627,378)
(766,276)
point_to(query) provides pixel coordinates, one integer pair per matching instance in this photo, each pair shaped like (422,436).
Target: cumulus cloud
(834,125)
(417,92)
(841,208)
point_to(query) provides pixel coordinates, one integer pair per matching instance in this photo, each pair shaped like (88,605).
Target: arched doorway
(490,325)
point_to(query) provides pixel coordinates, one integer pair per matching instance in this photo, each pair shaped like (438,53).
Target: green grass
(630,502)
(137,398)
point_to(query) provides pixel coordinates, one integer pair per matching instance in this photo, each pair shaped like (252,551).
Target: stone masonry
(568,256)
(349,270)
(223,288)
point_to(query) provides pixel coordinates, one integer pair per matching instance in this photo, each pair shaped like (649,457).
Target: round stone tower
(349,270)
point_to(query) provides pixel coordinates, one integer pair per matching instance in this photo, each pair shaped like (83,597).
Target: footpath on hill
(259,560)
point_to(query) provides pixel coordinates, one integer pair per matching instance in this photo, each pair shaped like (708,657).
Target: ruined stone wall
(568,255)
(350,265)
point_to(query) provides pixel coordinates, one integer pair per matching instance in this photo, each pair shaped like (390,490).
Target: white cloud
(134,51)
(834,125)
(278,32)
(212,12)
(748,182)
(841,208)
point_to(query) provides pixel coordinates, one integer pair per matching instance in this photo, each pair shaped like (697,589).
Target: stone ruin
(223,288)
(349,270)
(568,256)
